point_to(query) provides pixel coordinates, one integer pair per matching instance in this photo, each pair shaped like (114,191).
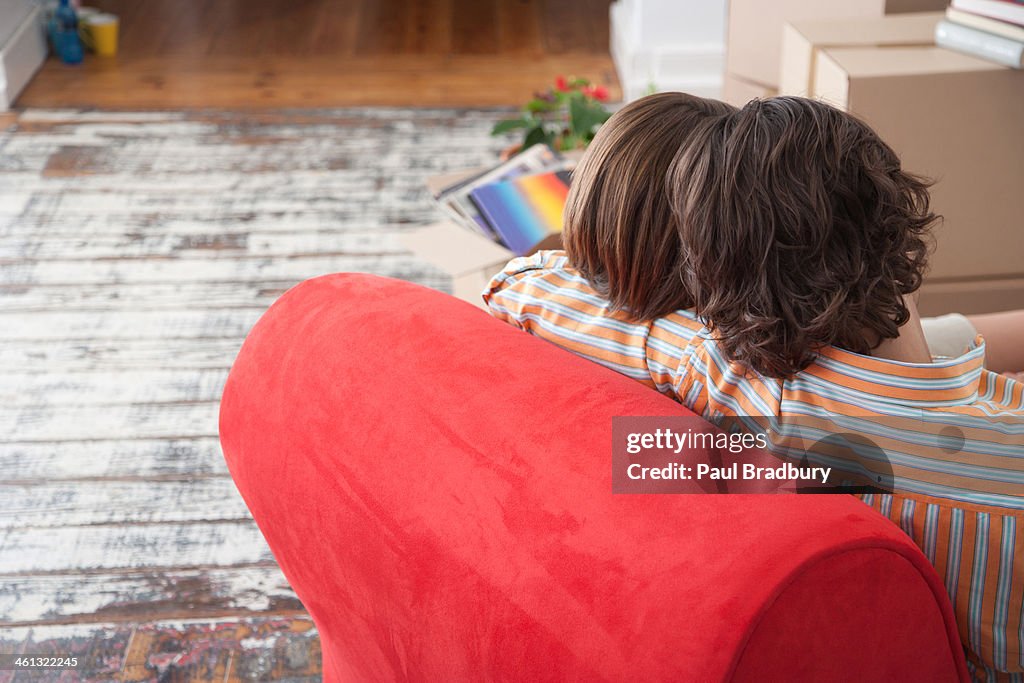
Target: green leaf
(538,136)
(538,105)
(511,124)
(585,116)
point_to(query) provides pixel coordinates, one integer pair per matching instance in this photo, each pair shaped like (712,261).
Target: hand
(1002,333)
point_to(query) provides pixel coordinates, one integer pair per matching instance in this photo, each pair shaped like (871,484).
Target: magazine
(455,199)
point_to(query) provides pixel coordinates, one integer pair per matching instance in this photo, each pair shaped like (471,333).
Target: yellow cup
(99,33)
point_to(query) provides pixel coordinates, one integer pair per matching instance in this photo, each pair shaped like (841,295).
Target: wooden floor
(136,250)
(327,53)
(138,247)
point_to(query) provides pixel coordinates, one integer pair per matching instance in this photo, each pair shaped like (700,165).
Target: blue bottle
(64,34)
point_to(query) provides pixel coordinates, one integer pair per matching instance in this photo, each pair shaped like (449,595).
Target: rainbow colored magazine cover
(526,212)
(455,199)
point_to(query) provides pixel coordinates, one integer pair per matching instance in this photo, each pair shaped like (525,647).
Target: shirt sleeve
(498,295)
(547,297)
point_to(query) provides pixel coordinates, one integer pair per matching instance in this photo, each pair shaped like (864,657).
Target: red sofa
(436,486)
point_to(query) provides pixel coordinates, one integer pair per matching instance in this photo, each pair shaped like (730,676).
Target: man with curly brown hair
(760,263)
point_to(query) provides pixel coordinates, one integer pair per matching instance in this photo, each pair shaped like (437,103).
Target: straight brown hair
(620,231)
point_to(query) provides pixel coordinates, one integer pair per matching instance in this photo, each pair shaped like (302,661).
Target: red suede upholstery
(436,486)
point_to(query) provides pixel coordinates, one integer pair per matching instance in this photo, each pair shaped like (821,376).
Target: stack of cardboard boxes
(754,36)
(804,41)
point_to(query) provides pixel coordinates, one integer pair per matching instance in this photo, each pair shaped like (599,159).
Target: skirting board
(21,56)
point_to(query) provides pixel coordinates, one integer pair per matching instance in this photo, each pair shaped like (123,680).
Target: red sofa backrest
(436,485)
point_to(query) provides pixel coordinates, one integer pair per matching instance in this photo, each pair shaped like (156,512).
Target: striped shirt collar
(949,381)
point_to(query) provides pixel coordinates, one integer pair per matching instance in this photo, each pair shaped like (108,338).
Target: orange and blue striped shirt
(952,432)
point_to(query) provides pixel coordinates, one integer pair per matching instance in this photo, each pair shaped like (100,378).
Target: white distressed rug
(136,250)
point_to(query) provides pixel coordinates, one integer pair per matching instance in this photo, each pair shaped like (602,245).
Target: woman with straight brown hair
(620,229)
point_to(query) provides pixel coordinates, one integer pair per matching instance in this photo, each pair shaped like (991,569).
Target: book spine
(980,44)
(994,26)
(1003,10)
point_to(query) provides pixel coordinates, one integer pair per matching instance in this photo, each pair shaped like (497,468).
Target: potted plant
(565,117)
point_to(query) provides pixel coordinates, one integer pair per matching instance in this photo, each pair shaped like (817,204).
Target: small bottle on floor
(64,34)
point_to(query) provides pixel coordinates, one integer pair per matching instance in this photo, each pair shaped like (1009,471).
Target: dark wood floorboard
(329,53)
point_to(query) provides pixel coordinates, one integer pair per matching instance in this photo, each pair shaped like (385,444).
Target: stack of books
(990,29)
(518,204)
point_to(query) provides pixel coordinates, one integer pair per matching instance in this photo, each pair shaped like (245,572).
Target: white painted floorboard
(136,251)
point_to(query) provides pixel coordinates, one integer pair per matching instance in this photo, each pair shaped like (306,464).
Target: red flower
(598,92)
(561,84)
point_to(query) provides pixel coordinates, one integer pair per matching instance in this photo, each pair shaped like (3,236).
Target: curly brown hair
(620,232)
(800,230)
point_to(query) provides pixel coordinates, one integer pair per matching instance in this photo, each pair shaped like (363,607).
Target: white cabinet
(669,45)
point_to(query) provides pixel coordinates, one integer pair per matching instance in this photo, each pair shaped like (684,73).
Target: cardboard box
(754,42)
(956,119)
(801,41)
(470,259)
(971,296)
(737,91)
